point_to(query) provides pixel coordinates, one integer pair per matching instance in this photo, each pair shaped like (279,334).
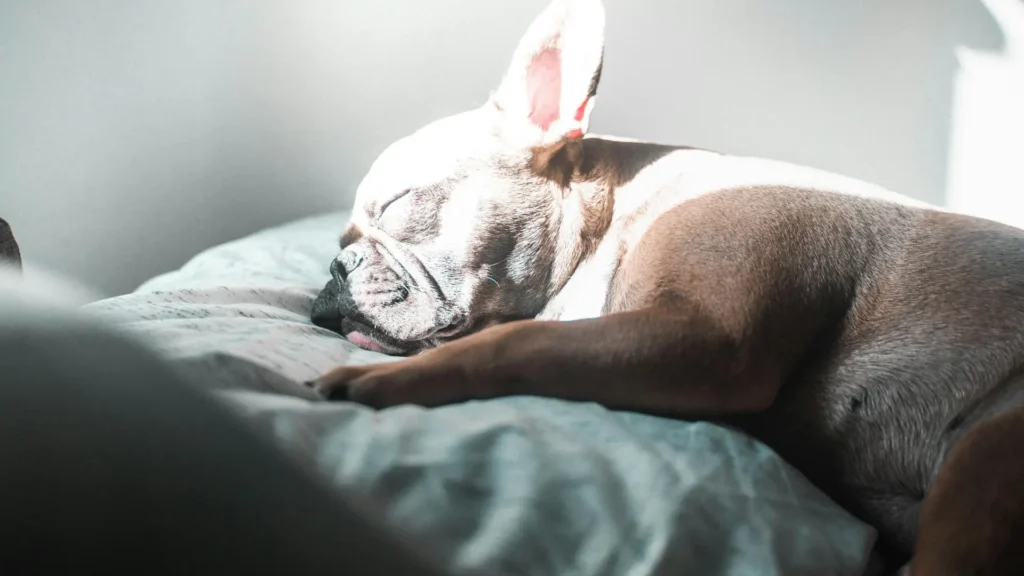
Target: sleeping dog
(869,339)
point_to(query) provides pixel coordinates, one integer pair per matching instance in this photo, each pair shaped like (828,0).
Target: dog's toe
(330,391)
(336,393)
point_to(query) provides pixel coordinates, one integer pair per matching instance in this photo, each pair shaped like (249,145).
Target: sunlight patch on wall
(986,168)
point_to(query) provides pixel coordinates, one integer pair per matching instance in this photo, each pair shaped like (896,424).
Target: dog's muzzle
(373,300)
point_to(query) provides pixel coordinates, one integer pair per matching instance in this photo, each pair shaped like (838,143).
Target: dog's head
(471,221)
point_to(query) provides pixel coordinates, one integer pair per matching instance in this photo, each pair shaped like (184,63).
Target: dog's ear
(549,90)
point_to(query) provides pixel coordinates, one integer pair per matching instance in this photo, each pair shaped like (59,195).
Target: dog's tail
(972,520)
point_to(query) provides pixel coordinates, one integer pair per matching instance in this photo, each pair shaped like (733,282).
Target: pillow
(519,485)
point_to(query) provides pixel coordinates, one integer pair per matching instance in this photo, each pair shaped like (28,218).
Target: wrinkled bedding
(509,486)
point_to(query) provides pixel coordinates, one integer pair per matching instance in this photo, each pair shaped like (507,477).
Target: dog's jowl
(861,334)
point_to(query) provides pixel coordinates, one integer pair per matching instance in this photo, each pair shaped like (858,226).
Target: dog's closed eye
(382,207)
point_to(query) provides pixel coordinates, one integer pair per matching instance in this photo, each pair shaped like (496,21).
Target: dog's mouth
(373,340)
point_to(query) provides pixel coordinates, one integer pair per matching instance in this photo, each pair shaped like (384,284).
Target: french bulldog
(859,333)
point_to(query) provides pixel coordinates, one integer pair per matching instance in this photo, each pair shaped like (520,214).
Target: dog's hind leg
(972,519)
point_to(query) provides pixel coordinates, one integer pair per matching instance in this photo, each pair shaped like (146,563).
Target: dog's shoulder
(649,181)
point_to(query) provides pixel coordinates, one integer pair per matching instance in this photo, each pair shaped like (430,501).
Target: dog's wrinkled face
(445,236)
(457,226)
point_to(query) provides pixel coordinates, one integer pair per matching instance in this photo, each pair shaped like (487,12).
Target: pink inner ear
(544,87)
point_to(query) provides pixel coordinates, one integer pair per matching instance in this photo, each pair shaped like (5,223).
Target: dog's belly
(871,427)
(871,440)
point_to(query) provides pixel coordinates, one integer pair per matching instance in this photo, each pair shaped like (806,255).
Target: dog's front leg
(655,360)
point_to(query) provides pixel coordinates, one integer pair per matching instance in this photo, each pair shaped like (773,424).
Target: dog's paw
(335,384)
(362,384)
(389,384)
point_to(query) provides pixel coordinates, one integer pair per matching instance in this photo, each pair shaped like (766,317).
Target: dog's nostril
(345,263)
(337,272)
(348,260)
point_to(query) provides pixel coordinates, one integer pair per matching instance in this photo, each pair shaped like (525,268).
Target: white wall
(135,133)
(986,168)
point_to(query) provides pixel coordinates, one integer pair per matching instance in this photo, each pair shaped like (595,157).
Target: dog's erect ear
(549,90)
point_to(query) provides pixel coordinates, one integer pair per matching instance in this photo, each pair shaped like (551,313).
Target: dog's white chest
(586,292)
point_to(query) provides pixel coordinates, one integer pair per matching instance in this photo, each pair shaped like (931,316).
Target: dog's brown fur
(973,519)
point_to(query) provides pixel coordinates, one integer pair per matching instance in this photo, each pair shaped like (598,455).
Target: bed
(512,486)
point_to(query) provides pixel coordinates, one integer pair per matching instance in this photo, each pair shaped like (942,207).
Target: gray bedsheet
(510,486)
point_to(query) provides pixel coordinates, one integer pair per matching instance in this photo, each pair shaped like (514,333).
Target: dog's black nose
(325,313)
(335,300)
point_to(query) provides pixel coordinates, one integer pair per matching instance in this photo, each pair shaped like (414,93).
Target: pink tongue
(364,342)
